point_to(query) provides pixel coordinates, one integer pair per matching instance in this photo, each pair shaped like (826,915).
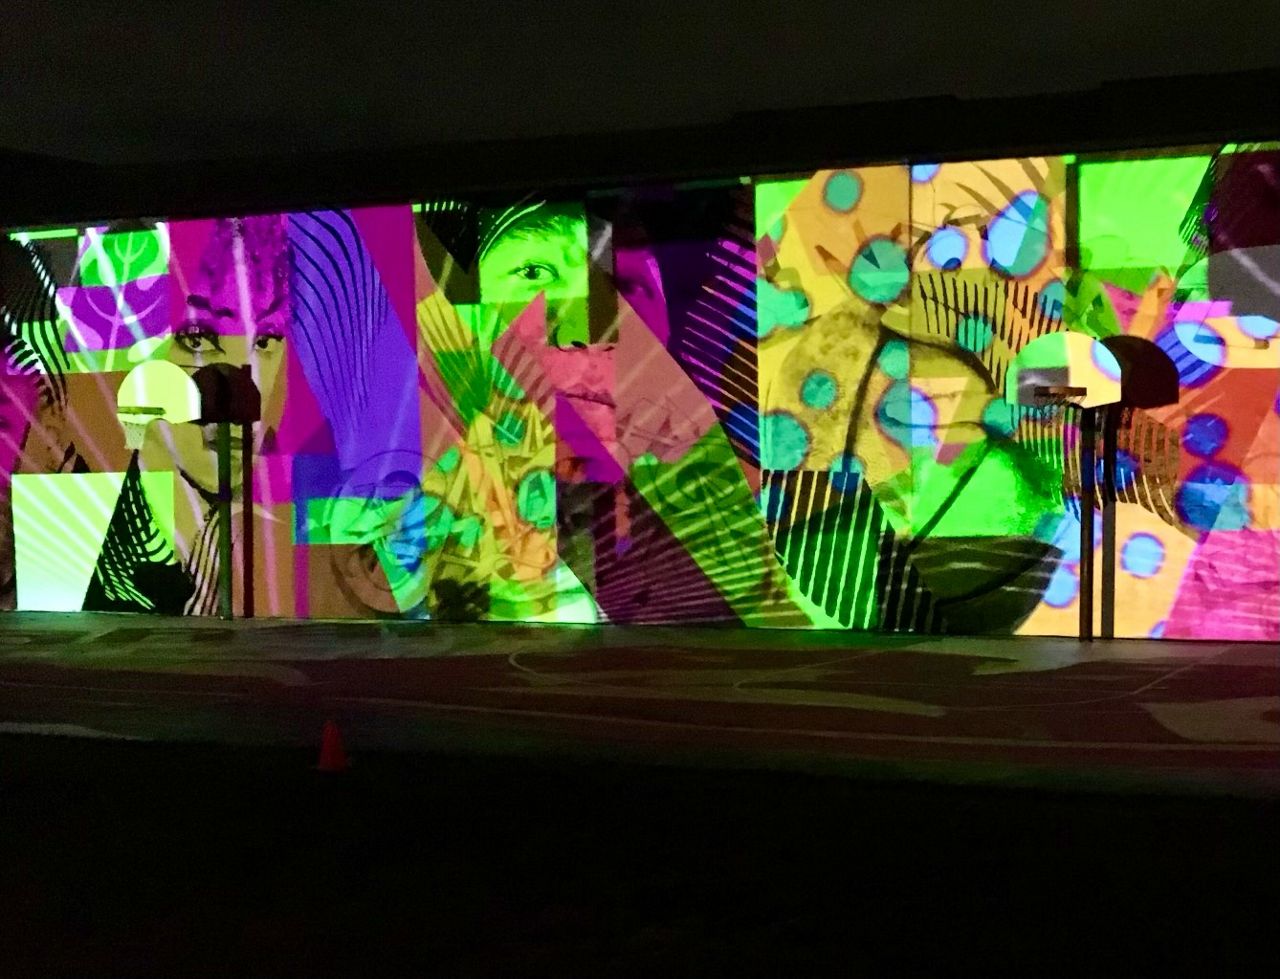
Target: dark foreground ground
(123,858)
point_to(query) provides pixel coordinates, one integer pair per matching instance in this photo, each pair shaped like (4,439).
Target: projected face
(638,278)
(541,252)
(236,312)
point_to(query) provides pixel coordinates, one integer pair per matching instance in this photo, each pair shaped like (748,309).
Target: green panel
(1130,213)
(773,197)
(123,256)
(59,523)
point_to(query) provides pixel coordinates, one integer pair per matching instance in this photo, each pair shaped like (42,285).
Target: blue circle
(784,442)
(998,418)
(922,173)
(1202,340)
(1193,370)
(819,390)
(1142,555)
(1214,497)
(894,359)
(842,191)
(907,415)
(1104,360)
(1258,327)
(1064,585)
(974,334)
(846,472)
(879,271)
(1051,299)
(947,247)
(1204,435)
(1018,236)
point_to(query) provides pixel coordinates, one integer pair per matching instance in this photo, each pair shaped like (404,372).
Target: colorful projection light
(868,398)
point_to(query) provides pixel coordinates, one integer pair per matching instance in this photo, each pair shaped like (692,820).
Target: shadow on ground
(143,859)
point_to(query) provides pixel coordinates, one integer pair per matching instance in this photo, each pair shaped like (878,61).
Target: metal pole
(224,520)
(246,453)
(1088,429)
(1110,432)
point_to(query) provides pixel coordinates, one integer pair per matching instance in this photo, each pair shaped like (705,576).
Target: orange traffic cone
(332,756)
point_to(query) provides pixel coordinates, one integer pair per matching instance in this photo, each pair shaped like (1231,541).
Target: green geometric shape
(60,521)
(1130,215)
(25,236)
(123,256)
(988,490)
(157,487)
(772,199)
(706,503)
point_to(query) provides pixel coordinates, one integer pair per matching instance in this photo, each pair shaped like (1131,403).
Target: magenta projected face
(236,311)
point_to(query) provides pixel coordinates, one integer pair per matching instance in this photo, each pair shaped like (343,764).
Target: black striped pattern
(646,576)
(29,315)
(132,541)
(837,546)
(1014,312)
(202,567)
(716,343)
(448,235)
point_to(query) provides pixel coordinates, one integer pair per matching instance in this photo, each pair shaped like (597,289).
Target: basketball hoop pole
(1110,435)
(246,462)
(1066,396)
(1088,486)
(224,520)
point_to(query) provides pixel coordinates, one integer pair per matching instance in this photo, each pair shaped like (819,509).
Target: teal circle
(1051,299)
(783,441)
(819,390)
(842,191)
(536,499)
(998,418)
(974,334)
(779,308)
(894,359)
(879,271)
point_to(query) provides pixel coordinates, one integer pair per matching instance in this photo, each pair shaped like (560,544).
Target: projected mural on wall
(775,402)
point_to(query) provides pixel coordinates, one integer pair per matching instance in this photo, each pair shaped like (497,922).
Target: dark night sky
(181,80)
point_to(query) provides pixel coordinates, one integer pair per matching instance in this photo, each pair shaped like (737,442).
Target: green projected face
(541,253)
